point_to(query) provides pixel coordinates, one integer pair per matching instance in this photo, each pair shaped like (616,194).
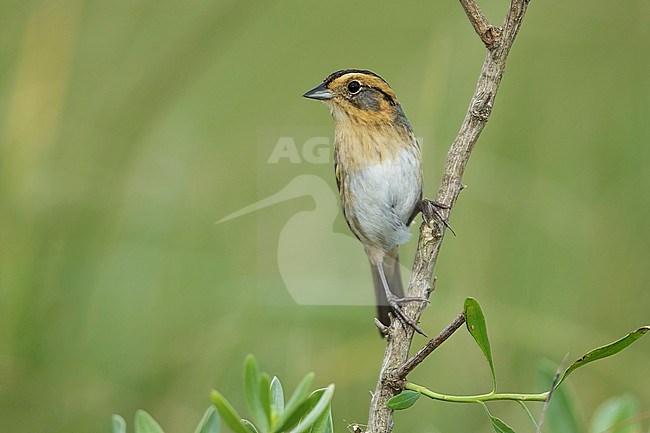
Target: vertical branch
(398,339)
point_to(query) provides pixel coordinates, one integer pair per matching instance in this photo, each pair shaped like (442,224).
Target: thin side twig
(486,31)
(432,345)
(398,339)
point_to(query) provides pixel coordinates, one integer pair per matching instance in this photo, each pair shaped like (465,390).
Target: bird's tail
(394,279)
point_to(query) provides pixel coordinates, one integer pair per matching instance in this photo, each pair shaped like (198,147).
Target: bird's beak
(321,93)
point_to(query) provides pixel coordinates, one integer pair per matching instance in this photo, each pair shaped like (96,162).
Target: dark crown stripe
(337,74)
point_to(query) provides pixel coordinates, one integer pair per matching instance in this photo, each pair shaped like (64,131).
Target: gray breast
(382,198)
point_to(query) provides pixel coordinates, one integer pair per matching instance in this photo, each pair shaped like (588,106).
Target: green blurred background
(127,128)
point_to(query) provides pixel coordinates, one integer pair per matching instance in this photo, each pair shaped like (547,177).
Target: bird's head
(358,96)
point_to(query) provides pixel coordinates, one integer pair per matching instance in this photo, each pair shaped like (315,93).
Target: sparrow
(378,169)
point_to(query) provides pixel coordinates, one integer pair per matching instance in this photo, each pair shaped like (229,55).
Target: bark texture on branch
(487,32)
(398,339)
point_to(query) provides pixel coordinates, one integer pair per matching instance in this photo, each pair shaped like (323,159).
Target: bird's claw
(394,302)
(430,212)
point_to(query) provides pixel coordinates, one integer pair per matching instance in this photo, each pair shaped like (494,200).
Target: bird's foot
(430,212)
(395,302)
(407,299)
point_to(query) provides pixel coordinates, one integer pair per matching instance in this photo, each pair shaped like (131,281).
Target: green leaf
(248,426)
(228,413)
(297,399)
(500,426)
(497,424)
(144,423)
(403,400)
(290,420)
(605,351)
(615,415)
(562,415)
(309,407)
(277,397)
(265,396)
(315,408)
(210,423)
(324,423)
(252,392)
(119,425)
(476,326)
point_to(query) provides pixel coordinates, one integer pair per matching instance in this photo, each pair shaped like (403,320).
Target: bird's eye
(354,86)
